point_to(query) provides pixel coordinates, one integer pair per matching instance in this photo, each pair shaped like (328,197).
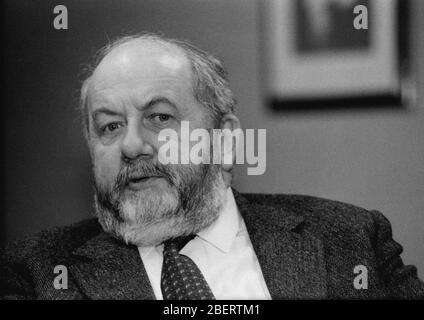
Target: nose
(135,145)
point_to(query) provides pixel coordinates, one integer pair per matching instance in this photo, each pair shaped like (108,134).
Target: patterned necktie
(181,278)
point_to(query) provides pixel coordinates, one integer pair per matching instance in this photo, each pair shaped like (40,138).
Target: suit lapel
(291,260)
(105,268)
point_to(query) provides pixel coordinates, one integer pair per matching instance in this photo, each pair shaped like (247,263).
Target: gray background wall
(371,157)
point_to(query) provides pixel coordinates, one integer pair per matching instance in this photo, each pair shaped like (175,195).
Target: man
(179,231)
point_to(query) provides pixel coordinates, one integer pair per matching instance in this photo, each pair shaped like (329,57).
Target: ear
(229,122)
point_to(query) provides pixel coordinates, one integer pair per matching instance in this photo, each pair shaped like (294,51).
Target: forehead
(142,63)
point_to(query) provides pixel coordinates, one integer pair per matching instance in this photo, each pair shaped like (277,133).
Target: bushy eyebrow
(157,100)
(151,103)
(106,111)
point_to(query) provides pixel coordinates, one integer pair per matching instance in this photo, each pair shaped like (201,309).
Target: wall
(372,157)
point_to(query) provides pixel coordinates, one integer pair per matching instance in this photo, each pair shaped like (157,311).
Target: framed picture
(316,54)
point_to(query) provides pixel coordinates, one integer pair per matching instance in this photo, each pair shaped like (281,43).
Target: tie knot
(177,243)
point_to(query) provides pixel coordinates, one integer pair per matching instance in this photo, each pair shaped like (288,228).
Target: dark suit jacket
(307,248)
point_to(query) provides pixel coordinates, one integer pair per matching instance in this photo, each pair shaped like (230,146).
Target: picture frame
(315,58)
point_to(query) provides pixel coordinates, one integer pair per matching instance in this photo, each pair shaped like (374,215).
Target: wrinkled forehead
(141,60)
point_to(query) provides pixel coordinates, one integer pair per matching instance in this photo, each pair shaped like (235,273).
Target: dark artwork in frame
(327,26)
(332,65)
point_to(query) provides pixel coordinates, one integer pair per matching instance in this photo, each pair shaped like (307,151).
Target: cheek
(107,162)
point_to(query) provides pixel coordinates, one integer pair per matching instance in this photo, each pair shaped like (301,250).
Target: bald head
(140,60)
(136,56)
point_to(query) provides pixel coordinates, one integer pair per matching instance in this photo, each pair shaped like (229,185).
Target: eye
(111,127)
(164,117)
(161,117)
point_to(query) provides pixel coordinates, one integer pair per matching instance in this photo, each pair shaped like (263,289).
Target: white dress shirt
(224,254)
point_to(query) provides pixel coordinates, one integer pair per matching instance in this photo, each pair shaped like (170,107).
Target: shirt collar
(146,251)
(222,233)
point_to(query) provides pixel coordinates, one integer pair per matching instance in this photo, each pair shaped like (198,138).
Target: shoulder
(57,242)
(320,214)
(27,266)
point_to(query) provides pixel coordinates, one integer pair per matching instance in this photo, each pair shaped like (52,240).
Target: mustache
(188,183)
(142,169)
(109,198)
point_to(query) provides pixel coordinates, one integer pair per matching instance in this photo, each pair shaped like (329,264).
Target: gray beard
(191,201)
